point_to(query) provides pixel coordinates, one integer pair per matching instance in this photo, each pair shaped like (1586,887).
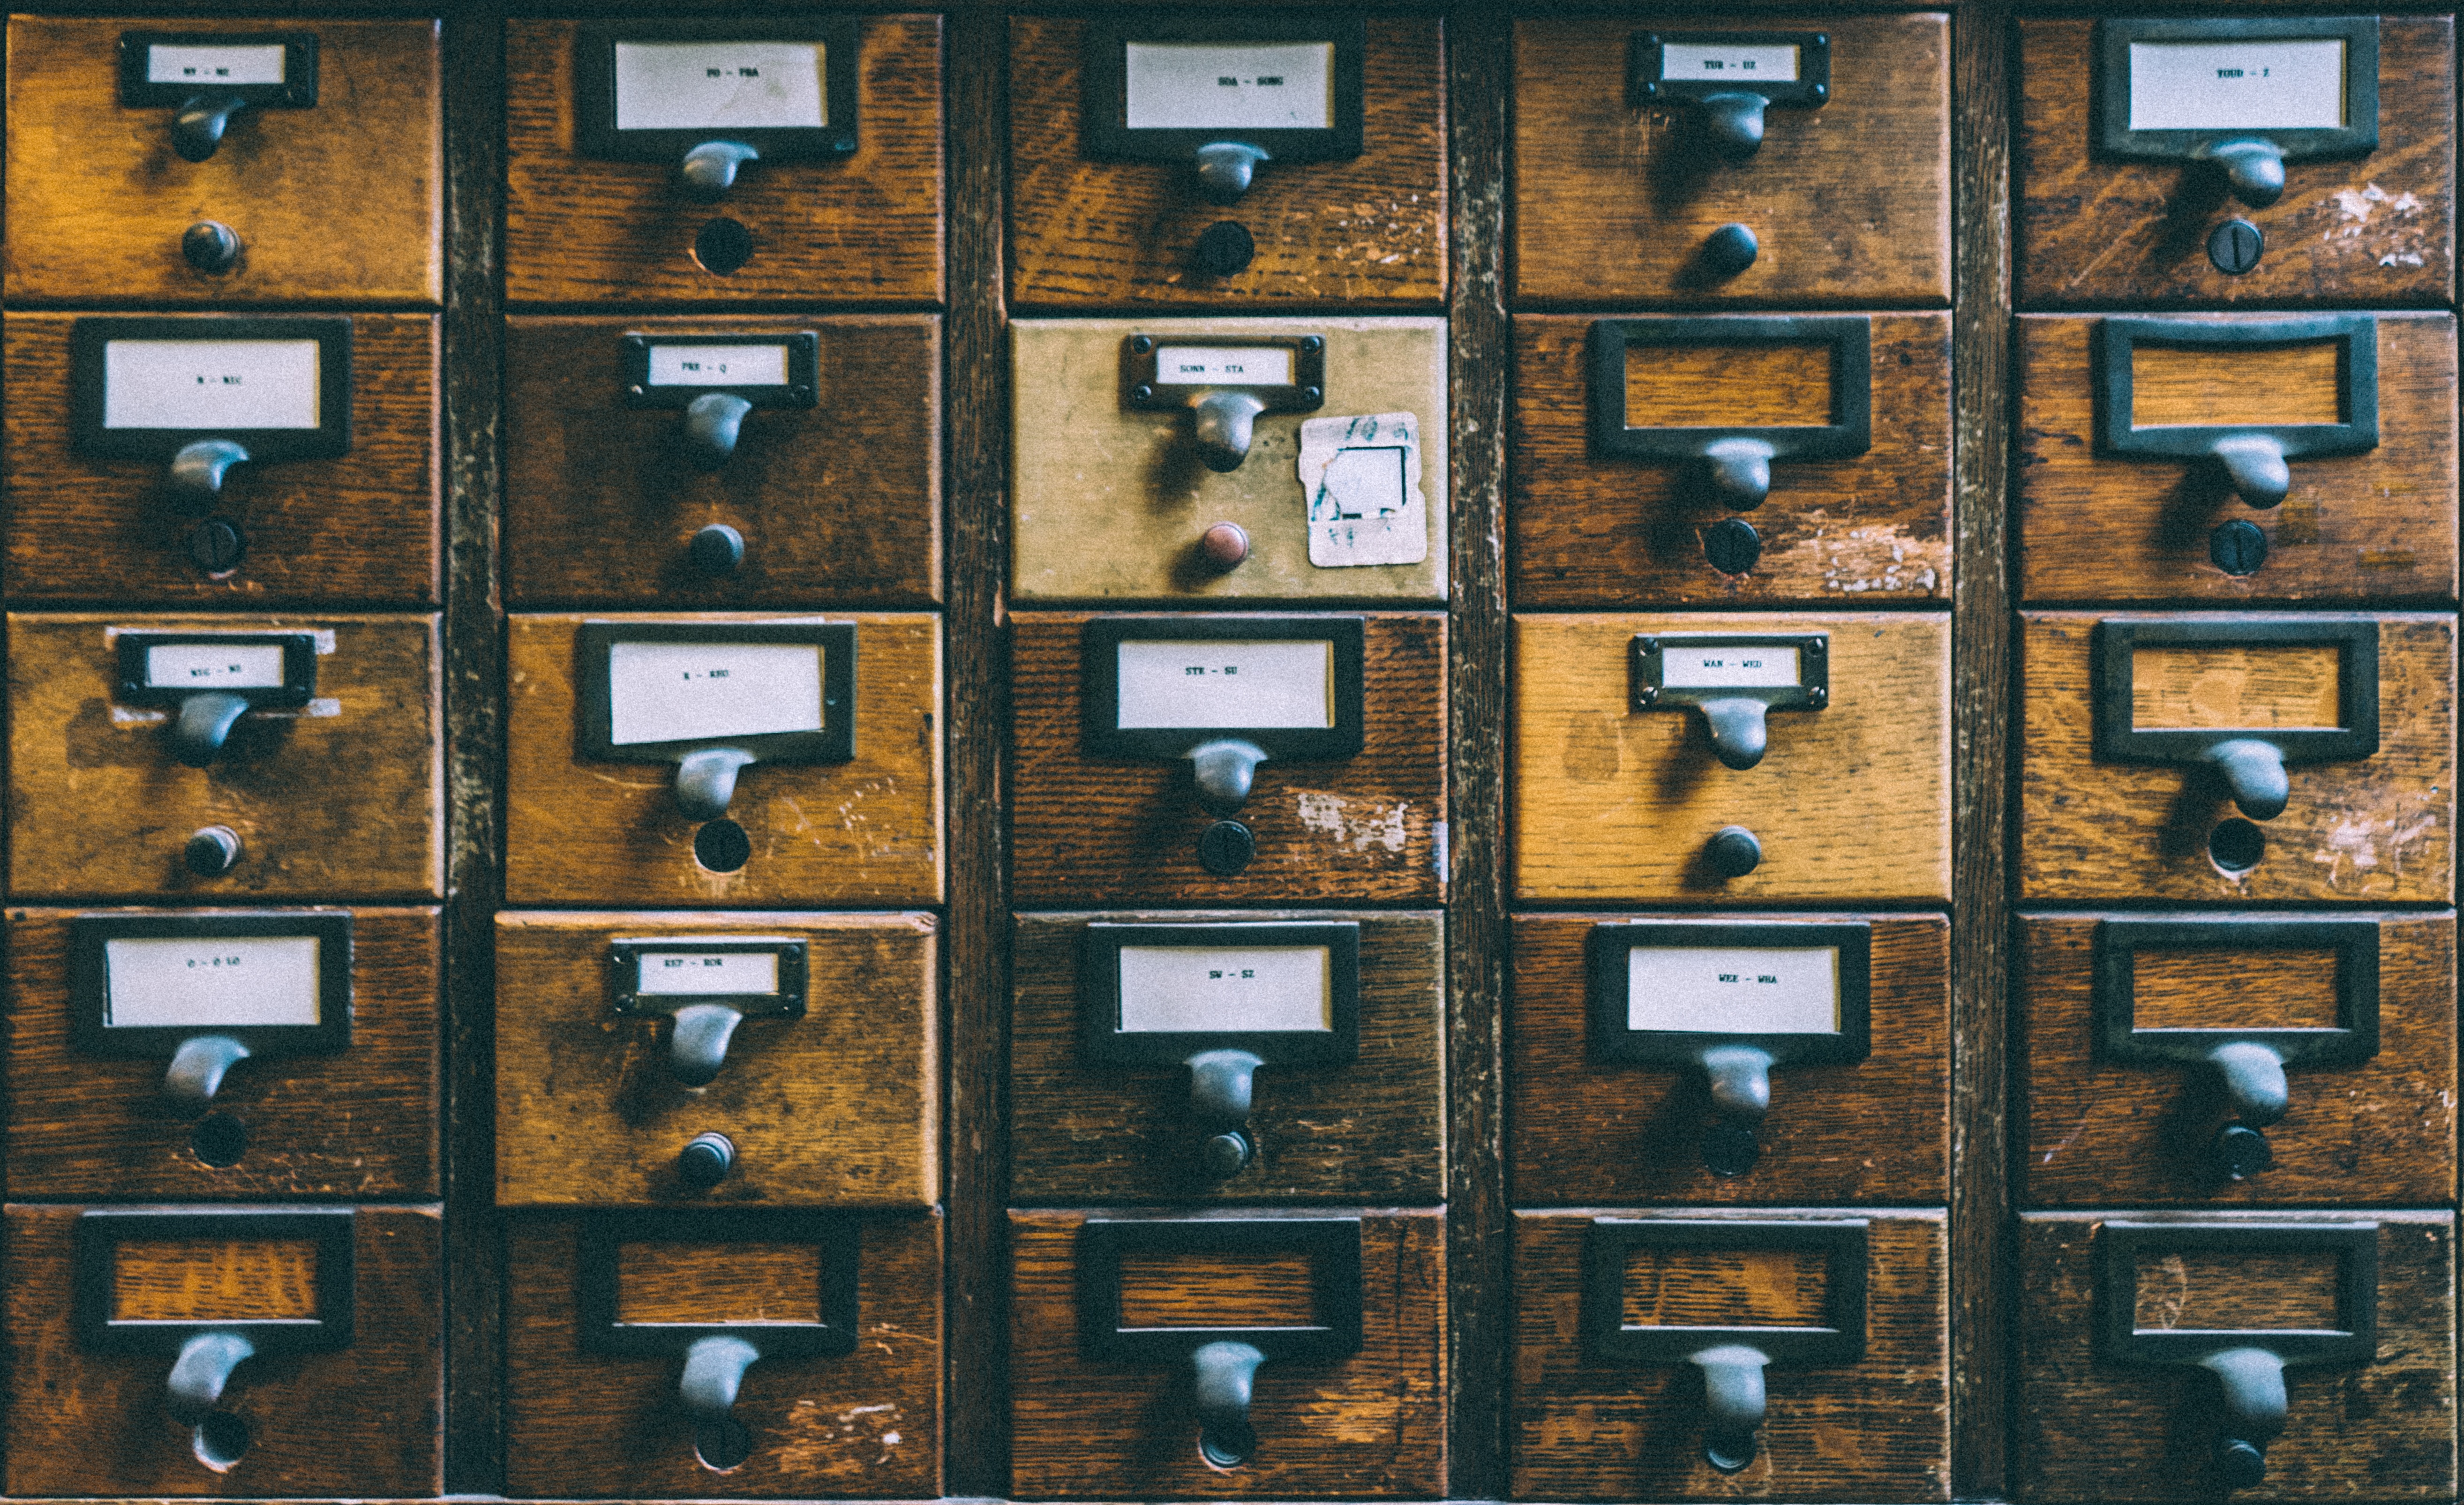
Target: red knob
(1223,546)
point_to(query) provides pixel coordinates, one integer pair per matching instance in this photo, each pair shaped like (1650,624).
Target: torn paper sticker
(1362,478)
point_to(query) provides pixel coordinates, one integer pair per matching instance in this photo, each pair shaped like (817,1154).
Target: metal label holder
(297,90)
(624,973)
(90,982)
(594,91)
(298,684)
(2358,137)
(1099,643)
(2353,1340)
(1106,135)
(1102,1039)
(1810,88)
(1605,951)
(834,743)
(801,389)
(1850,431)
(1333,1245)
(1144,387)
(603,1235)
(2356,382)
(2115,950)
(1811,690)
(1608,1248)
(329,440)
(2355,638)
(102,1231)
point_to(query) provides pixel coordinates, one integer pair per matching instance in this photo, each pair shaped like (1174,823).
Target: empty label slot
(1725,1287)
(213,1280)
(2209,387)
(2229,687)
(2198,1290)
(2231,989)
(710,1284)
(1728,386)
(1218,1288)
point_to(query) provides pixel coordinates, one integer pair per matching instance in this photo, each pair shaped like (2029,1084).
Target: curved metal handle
(2255,772)
(197,471)
(1221,1084)
(709,171)
(1739,472)
(1735,123)
(1226,1372)
(2255,467)
(2254,170)
(713,1372)
(1226,771)
(198,128)
(197,1069)
(2254,1410)
(199,1374)
(711,423)
(697,1044)
(204,721)
(1226,169)
(1734,1402)
(1739,730)
(1225,422)
(2254,1080)
(1740,1080)
(706,782)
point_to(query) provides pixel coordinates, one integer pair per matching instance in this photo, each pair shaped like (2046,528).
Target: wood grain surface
(1877,1430)
(838,1108)
(2090,1430)
(860,229)
(2380,830)
(1084,232)
(1209,1288)
(1724,1288)
(342,803)
(200,1280)
(1695,386)
(1849,200)
(1368,1427)
(2206,1289)
(864,832)
(2377,526)
(735,1283)
(1587,1130)
(2294,383)
(1373,1128)
(2370,231)
(600,1426)
(1613,804)
(338,203)
(360,1421)
(357,1125)
(1361,830)
(1592,531)
(2100,1133)
(841,502)
(2283,686)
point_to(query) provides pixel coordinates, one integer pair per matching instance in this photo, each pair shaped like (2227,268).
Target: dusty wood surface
(193,1280)
(718,1282)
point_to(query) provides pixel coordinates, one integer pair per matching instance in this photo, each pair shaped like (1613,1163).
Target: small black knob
(2243,1464)
(1729,249)
(1226,848)
(716,550)
(1225,248)
(1729,1148)
(2235,246)
(218,545)
(2237,547)
(2239,1152)
(723,246)
(1733,852)
(213,851)
(1224,1155)
(706,1159)
(210,246)
(1733,546)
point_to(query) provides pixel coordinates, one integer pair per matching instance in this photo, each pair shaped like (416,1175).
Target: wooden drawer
(343,1306)
(826,1094)
(845,1399)
(2368,226)
(1362,1419)
(2374,828)
(1092,227)
(1612,1105)
(1863,1416)
(1096,821)
(608,495)
(1859,495)
(1316,498)
(2108,1417)
(1109,1100)
(864,830)
(2110,510)
(340,799)
(1615,800)
(1616,193)
(862,227)
(339,200)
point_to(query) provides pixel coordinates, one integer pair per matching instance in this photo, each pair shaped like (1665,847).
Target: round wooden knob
(1223,546)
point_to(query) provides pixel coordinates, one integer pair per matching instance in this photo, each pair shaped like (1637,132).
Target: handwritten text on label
(708,971)
(686,691)
(233,64)
(718,365)
(1214,86)
(1175,990)
(693,86)
(192,980)
(1734,991)
(2287,84)
(1729,665)
(209,666)
(1727,62)
(1231,683)
(224,384)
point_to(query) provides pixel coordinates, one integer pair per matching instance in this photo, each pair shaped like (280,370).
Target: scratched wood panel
(1724,1288)
(600,1426)
(2379,525)
(2380,830)
(839,1108)
(1591,530)
(361,528)
(2250,686)
(2205,1289)
(1850,200)
(1372,1425)
(1585,1130)
(358,1422)
(201,1280)
(1372,229)
(359,1123)
(748,1282)
(2371,231)
(864,832)
(2382,1131)
(1582,1429)
(841,502)
(2296,383)
(863,229)
(342,803)
(1851,802)
(340,202)
(1219,1288)
(2090,1430)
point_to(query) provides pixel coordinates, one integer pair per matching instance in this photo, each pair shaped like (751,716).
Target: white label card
(1233,683)
(2287,83)
(1727,62)
(1728,666)
(689,971)
(686,691)
(210,383)
(1178,990)
(185,981)
(209,666)
(1224,365)
(697,86)
(1734,991)
(1215,86)
(1361,479)
(718,365)
(251,63)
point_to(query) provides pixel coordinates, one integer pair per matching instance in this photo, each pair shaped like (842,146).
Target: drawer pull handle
(1739,472)
(1221,1087)
(1226,169)
(1740,1082)
(711,423)
(1739,730)
(706,780)
(198,1067)
(2253,169)
(1226,1372)
(698,1045)
(1733,1402)
(713,1372)
(1734,123)
(1224,424)
(199,1374)
(197,472)
(709,171)
(197,129)
(1225,770)
(2255,467)
(198,734)
(2255,772)
(2255,1411)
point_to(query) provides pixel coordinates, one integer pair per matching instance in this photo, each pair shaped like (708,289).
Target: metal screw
(2234,246)
(1651,645)
(1817,645)
(1650,694)
(1822,91)
(1310,394)
(801,394)
(1817,694)
(636,391)
(1141,344)
(1141,393)
(1822,39)
(1312,343)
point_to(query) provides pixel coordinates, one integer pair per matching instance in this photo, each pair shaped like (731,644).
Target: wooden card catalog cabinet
(199,160)
(1186,157)
(1211,759)
(790,158)
(1798,1059)
(723,758)
(2284,1355)
(1227,1056)
(724,1355)
(1683,1355)
(263,1351)
(275,757)
(1221,1356)
(1691,157)
(1732,458)
(716,1059)
(2237,457)
(2236,158)
(2237,757)
(1230,459)
(2238,1058)
(715,461)
(1738,759)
